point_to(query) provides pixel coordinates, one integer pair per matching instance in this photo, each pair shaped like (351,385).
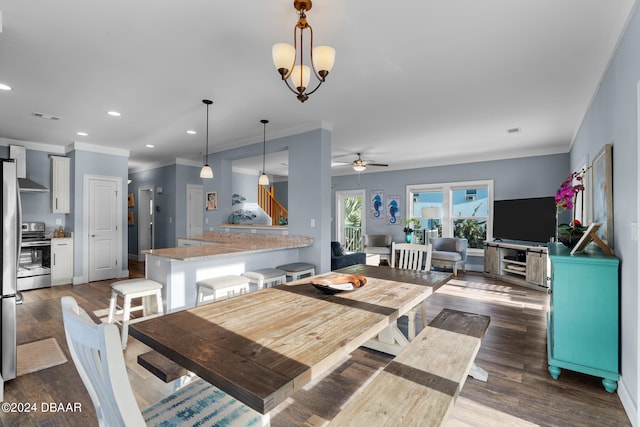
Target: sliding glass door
(350,217)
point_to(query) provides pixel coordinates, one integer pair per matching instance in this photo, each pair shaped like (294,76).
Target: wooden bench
(165,369)
(420,385)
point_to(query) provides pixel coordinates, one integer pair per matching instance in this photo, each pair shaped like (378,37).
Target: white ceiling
(416,83)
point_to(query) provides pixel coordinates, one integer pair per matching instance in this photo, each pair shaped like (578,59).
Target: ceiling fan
(359,164)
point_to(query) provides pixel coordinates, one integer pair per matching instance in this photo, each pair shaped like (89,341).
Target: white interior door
(145,220)
(195,210)
(103,228)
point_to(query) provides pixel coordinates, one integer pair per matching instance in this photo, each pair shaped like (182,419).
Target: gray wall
(512,179)
(245,185)
(92,163)
(613,119)
(308,193)
(37,206)
(170,205)
(281,192)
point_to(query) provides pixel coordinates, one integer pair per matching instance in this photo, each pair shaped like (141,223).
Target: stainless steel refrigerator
(8,289)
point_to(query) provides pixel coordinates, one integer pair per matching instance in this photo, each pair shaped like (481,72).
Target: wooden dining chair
(412,256)
(97,353)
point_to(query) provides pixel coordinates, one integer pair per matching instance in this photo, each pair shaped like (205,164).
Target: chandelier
(290,67)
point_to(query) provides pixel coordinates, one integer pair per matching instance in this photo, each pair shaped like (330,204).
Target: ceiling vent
(45,116)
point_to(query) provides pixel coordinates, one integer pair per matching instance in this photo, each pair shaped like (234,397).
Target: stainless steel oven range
(34,268)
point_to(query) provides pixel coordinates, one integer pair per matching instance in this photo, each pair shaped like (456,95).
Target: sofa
(379,244)
(449,252)
(341,260)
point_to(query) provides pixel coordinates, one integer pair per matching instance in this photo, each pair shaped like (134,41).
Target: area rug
(38,355)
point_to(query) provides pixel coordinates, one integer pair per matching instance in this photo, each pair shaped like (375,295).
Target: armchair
(340,260)
(379,244)
(449,252)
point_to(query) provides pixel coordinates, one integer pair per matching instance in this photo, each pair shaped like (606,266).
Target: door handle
(93,235)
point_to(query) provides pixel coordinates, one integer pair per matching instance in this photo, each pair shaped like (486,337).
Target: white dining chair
(97,354)
(412,256)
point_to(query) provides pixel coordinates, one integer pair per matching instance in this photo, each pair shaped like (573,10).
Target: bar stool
(264,276)
(221,287)
(135,288)
(295,270)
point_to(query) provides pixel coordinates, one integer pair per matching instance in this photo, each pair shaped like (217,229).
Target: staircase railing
(269,204)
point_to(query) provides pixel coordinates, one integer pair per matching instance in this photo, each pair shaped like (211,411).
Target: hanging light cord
(264,144)
(207,152)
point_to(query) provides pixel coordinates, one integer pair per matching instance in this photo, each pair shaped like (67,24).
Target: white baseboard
(629,405)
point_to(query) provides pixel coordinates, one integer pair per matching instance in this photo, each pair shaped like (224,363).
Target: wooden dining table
(263,346)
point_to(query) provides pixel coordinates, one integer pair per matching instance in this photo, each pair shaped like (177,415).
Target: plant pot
(408,237)
(570,240)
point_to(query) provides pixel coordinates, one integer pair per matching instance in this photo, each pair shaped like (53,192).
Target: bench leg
(478,373)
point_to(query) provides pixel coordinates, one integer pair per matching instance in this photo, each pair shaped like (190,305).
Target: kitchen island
(213,254)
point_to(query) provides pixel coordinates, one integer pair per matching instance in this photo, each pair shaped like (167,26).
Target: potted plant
(410,225)
(566,196)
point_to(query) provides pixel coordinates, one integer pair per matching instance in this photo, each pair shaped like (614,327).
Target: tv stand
(521,264)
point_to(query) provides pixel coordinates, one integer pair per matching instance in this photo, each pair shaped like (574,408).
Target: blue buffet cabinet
(582,324)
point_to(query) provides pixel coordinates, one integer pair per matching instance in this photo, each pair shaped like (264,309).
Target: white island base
(221,254)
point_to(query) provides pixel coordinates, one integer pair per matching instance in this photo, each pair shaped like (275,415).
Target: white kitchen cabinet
(61,261)
(60,184)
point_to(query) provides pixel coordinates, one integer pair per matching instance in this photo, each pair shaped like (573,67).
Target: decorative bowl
(336,283)
(335,289)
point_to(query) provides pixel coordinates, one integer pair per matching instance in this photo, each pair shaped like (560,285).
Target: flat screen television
(527,220)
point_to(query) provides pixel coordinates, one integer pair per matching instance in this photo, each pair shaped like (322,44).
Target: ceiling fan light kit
(360,165)
(206,171)
(321,58)
(264,179)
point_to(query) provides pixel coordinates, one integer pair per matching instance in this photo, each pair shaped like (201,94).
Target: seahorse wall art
(392,209)
(376,203)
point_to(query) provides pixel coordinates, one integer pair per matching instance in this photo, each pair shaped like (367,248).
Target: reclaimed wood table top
(263,346)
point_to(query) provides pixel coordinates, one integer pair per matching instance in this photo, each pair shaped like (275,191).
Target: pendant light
(206,171)
(264,179)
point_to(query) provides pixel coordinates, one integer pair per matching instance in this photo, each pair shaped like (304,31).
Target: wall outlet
(634,231)
(312,223)
(58,221)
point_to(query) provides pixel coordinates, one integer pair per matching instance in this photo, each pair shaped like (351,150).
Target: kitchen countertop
(221,244)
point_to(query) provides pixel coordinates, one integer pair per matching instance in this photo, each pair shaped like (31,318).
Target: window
(457,209)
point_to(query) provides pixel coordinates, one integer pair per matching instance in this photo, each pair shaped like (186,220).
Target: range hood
(28,186)
(19,154)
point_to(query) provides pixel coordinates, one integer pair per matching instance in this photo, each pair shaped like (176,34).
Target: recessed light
(149,145)
(114,113)
(4,87)
(191,132)
(82,133)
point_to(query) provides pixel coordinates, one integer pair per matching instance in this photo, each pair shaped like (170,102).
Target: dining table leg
(390,340)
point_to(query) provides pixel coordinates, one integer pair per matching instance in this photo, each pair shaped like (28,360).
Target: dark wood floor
(519,390)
